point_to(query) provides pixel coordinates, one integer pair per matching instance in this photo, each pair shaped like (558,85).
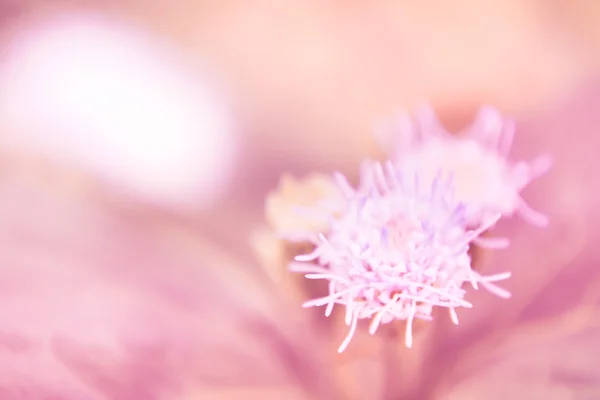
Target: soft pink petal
(556,360)
(98,300)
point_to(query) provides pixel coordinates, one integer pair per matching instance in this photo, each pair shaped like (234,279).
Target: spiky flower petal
(399,249)
(485,179)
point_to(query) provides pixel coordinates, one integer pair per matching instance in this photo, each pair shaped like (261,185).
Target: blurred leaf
(553,360)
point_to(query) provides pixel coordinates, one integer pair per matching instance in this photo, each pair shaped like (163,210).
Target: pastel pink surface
(124,307)
(107,303)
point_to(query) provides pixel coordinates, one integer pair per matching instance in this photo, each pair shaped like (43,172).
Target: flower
(398,250)
(300,206)
(485,179)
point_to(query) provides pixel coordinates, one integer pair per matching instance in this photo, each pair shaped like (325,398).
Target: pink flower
(399,249)
(485,179)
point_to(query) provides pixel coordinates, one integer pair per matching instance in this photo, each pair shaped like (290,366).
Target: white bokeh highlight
(112,101)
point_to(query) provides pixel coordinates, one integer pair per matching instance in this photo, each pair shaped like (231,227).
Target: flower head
(485,179)
(299,207)
(399,249)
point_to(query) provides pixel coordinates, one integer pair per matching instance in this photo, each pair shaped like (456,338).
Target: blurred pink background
(139,139)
